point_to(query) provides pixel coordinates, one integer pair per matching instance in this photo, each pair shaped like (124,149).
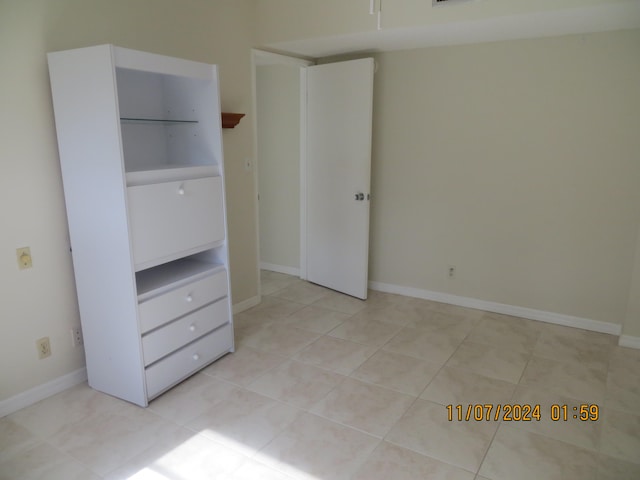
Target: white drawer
(173,217)
(161,309)
(176,367)
(174,335)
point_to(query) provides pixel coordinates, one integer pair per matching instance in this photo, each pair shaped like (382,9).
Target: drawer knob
(192,328)
(196,357)
(181,190)
(189,298)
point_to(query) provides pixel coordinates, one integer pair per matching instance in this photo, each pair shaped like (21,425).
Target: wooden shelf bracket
(230,120)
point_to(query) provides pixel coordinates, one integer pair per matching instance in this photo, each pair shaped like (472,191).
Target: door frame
(261,58)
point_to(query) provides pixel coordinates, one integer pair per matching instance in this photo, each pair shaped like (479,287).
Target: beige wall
(41,302)
(517,162)
(278,115)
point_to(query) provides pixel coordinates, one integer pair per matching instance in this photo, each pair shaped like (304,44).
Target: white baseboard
(280,269)
(35,394)
(246,304)
(530,313)
(629,341)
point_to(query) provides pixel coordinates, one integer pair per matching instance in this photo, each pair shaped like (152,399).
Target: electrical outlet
(44,348)
(76,337)
(452,271)
(24,258)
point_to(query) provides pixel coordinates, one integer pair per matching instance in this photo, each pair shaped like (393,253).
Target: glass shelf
(155,121)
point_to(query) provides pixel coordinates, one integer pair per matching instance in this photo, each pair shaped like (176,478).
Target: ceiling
(618,16)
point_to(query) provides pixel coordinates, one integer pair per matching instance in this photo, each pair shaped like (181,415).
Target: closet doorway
(313,143)
(279,92)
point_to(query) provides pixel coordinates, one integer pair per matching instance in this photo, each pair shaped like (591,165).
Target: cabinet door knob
(192,328)
(181,190)
(196,357)
(189,298)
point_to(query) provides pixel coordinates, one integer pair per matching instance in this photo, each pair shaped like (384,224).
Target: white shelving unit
(140,147)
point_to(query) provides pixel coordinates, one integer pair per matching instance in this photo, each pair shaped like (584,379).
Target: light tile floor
(323,386)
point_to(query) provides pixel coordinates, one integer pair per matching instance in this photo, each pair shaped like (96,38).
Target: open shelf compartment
(157,280)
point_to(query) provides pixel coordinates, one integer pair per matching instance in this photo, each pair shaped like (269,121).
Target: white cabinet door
(169,220)
(338,170)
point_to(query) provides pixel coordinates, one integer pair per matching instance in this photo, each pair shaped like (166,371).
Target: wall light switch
(24,258)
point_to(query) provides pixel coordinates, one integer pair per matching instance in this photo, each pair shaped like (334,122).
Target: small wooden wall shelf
(230,120)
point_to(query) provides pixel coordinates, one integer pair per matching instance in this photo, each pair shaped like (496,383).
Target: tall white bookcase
(140,145)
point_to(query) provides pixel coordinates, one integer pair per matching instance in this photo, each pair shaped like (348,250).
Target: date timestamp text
(515,412)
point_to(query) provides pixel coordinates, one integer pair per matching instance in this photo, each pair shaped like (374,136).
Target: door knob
(359,196)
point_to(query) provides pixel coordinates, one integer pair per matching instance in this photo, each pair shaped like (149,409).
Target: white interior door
(338,173)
